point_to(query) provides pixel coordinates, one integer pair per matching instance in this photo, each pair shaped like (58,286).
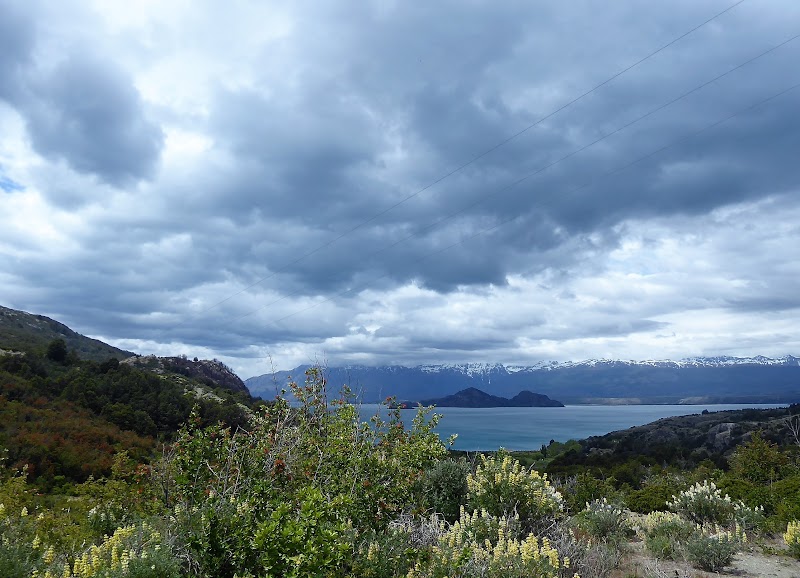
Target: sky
(384,182)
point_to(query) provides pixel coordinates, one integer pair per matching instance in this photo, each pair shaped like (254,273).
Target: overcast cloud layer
(251,180)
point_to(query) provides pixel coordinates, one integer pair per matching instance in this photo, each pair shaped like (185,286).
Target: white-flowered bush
(604,520)
(704,503)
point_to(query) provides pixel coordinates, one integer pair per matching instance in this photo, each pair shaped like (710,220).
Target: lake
(527,428)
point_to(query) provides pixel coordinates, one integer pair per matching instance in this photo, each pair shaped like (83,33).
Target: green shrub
(294,492)
(304,538)
(17,552)
(389,554)
(712,553)
(787,496)
(666,533)
(444,487)
(655,491)
(582,488)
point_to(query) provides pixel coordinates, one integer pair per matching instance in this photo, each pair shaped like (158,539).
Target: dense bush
(501,486)
(444,487)
(582,488)
(297,479)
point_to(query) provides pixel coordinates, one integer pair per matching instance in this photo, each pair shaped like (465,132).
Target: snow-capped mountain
(648,381)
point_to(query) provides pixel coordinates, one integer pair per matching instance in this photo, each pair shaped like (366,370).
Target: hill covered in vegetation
(64,416)
(26,332)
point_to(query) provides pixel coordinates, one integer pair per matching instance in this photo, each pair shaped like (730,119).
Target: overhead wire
(461,167)
(570,191)
(484,198)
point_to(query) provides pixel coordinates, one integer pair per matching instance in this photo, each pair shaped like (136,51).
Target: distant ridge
(756,379)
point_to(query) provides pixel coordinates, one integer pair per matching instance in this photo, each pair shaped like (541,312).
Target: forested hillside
(65,418)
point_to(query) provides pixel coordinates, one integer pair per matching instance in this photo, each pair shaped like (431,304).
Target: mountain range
(696,380)
(693,380)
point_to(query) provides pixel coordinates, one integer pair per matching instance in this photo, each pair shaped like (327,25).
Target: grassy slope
(21,331)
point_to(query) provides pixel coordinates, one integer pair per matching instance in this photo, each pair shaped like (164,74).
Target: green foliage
(296,479)
(786,493)
(764,475)
(758,461)
(444,487)
(583,488)
(654,491)
(305,537)
(57,351)
(389,554)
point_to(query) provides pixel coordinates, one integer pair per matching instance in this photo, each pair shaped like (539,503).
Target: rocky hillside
(212,372)
(689,438)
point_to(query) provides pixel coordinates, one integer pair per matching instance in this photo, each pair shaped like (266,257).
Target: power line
(545,167)
(464,165)
(570,191)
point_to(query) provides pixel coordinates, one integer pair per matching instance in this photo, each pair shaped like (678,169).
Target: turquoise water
(527,428)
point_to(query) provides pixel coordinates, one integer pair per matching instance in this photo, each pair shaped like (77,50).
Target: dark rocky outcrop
(474,397)
(213,372)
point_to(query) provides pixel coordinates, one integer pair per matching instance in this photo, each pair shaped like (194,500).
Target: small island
(474,397)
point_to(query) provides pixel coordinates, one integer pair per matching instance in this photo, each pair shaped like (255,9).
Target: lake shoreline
(526,429)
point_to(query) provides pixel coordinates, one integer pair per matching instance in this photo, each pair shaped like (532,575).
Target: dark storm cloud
(269,184)
(88,113)
(17,34)
(83,109)
(320,146)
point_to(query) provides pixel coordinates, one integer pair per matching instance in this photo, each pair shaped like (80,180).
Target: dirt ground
(751,563)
